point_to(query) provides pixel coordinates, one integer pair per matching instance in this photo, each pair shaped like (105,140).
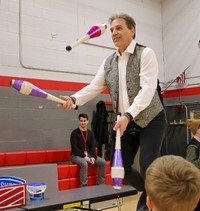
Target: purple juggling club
(28,88)
(117,167)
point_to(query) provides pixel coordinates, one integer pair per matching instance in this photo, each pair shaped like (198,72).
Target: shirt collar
(130,49)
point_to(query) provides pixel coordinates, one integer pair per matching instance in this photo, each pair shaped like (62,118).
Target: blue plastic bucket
(36,190)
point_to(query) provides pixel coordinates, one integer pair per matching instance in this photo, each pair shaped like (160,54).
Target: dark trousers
(149,139)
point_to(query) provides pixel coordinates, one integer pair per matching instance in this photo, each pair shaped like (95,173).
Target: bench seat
(67,173)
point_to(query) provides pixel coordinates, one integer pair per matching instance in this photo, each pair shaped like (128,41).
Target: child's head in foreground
(172,184)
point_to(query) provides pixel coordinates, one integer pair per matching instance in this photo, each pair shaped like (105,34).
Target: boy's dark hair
(83,115)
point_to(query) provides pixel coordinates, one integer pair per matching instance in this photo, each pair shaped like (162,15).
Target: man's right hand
(68,105)
(121,124)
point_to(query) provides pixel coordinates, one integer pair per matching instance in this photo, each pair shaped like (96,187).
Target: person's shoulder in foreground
(172,184)
(193,148)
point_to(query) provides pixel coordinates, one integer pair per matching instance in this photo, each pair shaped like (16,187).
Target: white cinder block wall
(181,35)
(34,34)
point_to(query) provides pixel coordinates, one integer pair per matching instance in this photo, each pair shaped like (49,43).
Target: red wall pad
(2,159)
(35,157)
(108,167)
(15,158)
(68,171)
(92,180)
(108,179)
(63,184)
(73,170)
(58,155)
(74,183)
(92,170)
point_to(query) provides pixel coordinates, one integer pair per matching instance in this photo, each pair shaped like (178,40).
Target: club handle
(58,100)
(78,42)
(118,138)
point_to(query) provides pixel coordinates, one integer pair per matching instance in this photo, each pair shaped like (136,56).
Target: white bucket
(36,190)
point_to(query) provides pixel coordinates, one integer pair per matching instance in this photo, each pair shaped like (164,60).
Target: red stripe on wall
(182,92)
(108,103)
(75,86)
(47,84)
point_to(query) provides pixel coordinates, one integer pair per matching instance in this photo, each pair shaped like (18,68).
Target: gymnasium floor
(129,203)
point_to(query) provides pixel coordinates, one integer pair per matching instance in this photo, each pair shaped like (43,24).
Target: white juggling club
(117,166)
(95,31)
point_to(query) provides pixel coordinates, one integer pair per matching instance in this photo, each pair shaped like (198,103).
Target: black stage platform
(78,197)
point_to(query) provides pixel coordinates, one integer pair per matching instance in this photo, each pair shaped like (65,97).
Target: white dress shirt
(148,82)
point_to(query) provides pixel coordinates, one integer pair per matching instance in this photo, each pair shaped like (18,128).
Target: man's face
(83,122)
(121,34)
